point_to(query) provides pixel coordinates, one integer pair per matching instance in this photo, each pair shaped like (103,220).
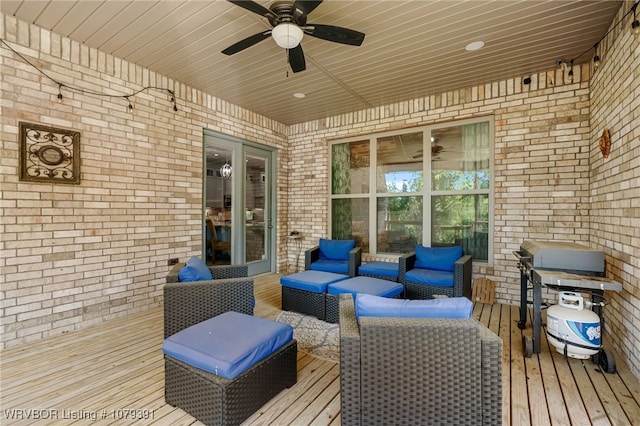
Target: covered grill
(561,266)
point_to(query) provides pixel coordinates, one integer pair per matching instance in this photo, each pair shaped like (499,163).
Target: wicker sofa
(426,371)
(210,398)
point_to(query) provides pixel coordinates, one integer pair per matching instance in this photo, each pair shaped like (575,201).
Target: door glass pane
(218,186)
(460,157)
(255,227)
(461,220)
(399,221)
(399,163)
(350,220)
(350,168)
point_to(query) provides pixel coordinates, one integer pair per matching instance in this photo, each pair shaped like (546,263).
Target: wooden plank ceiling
(411,49)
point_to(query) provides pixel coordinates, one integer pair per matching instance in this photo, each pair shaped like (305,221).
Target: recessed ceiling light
(299,95)
(475,45)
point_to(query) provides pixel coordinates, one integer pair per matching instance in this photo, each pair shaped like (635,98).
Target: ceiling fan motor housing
(286,12)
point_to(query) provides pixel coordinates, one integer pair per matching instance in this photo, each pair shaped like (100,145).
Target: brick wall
(541,160)
(75,255)
(615,182)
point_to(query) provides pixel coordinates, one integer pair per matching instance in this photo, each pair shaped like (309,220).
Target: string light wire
(91,92)
(596,58)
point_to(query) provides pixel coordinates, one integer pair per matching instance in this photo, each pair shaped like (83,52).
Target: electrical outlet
(173,261)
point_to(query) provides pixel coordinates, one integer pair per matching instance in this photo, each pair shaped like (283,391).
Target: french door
(239,205)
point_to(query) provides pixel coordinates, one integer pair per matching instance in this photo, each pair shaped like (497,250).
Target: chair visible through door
(213,243)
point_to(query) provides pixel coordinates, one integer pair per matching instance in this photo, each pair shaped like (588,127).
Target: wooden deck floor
(114,371)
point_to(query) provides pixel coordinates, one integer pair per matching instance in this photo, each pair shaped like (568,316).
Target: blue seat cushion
(368,285)
(313,281)
(335,249)
(375,306)
(335,266)
(430,277)
(194,270)
(228,344)
(438,258)
(383,269)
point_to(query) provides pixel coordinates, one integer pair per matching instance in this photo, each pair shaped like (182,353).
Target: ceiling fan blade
(335,34)
(296,59)
(247,42)
(306,6)
(255,8)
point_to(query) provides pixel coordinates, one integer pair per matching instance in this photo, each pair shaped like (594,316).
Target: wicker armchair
(410,371)
(413,290)
(186,304)
(348,265)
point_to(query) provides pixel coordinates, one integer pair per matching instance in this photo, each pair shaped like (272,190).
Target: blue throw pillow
(437,258)
(369,305)
(335,249)
(195,270)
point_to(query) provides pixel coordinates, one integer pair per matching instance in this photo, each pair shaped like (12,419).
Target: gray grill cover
(564,256)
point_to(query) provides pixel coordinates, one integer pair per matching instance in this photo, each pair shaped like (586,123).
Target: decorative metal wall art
(49,154)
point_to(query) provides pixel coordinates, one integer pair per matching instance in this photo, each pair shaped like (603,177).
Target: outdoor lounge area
(137,135)
(543,389)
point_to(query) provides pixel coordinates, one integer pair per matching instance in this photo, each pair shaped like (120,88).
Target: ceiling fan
(435,150)
(289,22)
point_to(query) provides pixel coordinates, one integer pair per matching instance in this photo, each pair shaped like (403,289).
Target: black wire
(633,9)
(90,92)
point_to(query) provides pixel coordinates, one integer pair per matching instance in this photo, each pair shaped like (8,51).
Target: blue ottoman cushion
(313,281)
(367,285)
(383,269)
(228,344)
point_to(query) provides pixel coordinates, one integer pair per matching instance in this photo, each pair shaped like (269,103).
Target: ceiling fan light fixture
(287,35)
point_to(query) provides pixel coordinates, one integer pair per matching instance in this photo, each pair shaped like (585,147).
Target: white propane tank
(571,327)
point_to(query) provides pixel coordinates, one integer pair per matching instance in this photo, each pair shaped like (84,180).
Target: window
(392,191)
(350,188)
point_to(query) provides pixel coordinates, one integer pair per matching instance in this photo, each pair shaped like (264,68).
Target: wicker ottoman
(240,349)
(367,285)
(304,292)
(382,270)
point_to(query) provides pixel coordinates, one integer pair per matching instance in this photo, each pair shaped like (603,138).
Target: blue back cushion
(438,258)
(195,270)
(335,249)
(376,306)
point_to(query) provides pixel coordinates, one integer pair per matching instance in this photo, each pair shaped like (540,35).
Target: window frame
(427,192)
